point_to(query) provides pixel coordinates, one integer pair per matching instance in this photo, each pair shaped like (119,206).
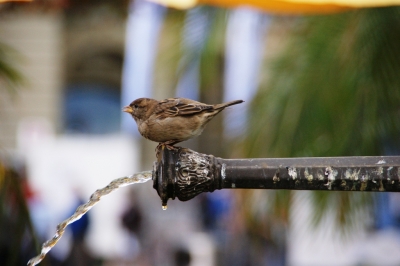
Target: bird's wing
(180,107)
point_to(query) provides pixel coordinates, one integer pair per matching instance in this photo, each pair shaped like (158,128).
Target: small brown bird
(172,120)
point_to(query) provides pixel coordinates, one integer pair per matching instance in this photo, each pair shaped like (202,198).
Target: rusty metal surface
(378,173)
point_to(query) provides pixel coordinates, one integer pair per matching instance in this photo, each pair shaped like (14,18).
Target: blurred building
(71,60)
(70,55)
(38,53)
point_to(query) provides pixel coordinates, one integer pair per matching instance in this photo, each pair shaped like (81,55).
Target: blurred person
(79,255)
(182,257)
(226,227)
(132,221)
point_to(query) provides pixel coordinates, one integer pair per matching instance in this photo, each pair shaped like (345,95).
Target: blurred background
(318,80)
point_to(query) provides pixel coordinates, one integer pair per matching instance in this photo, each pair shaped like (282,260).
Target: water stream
(137,178)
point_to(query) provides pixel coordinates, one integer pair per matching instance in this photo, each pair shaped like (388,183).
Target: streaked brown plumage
(172,120)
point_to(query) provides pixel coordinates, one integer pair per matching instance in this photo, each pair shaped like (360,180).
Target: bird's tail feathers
(223,105)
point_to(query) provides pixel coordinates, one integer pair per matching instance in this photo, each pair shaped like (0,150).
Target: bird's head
(139,108)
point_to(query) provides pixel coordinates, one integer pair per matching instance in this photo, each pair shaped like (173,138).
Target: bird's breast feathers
(177,128)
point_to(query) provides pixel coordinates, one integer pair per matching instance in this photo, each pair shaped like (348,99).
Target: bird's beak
(128,109)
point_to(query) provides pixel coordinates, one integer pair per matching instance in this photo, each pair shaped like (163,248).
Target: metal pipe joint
(184,173)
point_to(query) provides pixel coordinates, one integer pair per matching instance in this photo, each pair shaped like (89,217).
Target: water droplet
(164,207)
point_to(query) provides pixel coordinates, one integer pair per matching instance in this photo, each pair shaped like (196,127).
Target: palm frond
(9,75)
(334,91)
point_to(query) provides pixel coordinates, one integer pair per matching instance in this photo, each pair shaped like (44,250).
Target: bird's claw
(160,146)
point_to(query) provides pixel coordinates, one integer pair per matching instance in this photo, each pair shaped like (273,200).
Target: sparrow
(172,120)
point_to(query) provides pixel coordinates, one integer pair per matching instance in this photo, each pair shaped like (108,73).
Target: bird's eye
(135,106)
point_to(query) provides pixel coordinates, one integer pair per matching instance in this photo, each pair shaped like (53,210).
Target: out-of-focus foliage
(202,48)
(16,230)
(333,91)
(211,81)
(10,77)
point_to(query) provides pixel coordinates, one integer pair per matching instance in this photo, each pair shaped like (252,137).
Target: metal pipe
(184,173)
